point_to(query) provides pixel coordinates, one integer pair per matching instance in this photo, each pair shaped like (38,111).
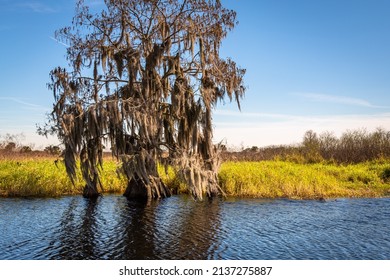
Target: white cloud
(59,42)
(92,3)
(27,105)
(282,129)
(317,97)
(37,7)
(31,137)
(238,114)
(20,115)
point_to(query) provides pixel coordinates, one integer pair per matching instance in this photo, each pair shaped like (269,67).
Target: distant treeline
(353,146)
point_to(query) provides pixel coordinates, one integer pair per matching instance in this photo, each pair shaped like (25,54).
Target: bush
(354,146)
(385,175)
(53,150)
(25,149)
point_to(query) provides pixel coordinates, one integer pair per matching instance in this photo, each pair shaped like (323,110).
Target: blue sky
(321,65)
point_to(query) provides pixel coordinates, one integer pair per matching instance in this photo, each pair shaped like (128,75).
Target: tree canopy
(143,77)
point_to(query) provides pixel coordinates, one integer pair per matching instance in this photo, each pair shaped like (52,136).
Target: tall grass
(42,177)
(268,179)
(280,179)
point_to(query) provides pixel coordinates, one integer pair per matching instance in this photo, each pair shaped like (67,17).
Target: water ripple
(180,228)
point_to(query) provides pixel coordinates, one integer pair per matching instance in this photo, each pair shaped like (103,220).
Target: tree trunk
(213,189)
(136,189)
(139,190)
(91,189)
(144,180)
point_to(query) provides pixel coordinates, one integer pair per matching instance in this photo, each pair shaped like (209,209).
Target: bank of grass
(280,179)
(41,177)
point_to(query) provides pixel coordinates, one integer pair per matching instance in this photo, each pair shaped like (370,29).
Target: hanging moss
(159,80)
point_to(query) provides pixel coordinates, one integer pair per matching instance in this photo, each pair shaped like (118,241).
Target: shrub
(385,175)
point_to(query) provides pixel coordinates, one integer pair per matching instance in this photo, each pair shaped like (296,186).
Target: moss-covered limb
(268,179)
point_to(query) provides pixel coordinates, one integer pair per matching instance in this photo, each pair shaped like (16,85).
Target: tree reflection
(174,228)
(135,230)
(197,231)
(78,229)
(117,228)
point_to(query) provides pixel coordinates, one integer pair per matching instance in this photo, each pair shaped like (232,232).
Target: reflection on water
(179,228)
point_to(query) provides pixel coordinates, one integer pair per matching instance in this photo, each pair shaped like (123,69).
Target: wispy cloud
(318,97)
(263,129)
(21,115)
(93,3)
(241,115)
(59,42)
(37,7)
(244,119)
(27,105)
(4,27)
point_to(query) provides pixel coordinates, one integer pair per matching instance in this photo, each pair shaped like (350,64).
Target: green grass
(40,177)
(279,179)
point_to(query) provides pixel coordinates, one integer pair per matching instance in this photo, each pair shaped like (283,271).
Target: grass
(41,177)
(280,179)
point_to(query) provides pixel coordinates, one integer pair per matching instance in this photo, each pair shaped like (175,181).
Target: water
(179,228)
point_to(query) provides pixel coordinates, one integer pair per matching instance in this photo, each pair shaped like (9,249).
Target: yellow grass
(278,179)
(41,177)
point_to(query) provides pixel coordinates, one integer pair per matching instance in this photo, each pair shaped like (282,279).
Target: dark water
(179,228)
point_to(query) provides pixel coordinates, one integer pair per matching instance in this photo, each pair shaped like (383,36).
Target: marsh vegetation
(352,146)
(41,177)
(307,170)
